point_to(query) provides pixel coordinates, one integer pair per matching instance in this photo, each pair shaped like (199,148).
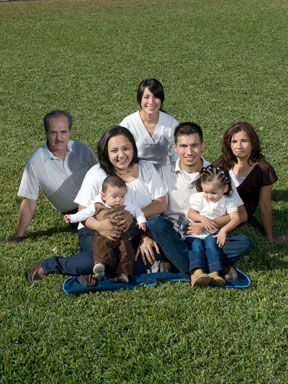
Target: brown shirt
(261,175)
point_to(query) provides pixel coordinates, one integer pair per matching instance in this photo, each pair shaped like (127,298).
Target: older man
(180,177)
(57,168)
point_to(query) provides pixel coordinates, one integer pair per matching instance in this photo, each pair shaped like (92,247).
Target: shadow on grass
(279,195)
(50,232)
(266,256)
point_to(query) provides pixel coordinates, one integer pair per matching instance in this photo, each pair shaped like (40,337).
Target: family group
(151,202)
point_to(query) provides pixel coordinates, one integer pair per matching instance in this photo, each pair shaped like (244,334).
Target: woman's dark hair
(154,87)
(113,181)
(229,158)
(102,147)
(217,174)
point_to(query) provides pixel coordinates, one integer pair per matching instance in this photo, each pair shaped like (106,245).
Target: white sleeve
(83,214)
(137,213)
(232,205)
(29,186)
(124,123)
(91,186)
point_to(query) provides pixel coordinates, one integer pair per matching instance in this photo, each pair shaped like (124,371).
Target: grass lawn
(219,61)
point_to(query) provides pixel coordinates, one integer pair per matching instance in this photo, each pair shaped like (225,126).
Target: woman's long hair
(102,147)
(229,158)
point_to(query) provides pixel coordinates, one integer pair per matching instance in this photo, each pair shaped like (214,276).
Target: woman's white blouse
(158,149)
(140,192)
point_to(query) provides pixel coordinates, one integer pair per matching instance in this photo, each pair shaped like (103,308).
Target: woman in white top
(152,128)
(117,154)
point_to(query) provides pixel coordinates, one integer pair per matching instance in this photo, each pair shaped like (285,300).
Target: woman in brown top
(251,173)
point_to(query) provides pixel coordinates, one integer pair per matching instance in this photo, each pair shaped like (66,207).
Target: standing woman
(153,129)
(251,173)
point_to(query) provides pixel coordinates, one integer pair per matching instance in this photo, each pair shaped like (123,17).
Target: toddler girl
(214,200)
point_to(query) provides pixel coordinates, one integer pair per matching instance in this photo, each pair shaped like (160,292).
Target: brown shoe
(87,280)
(230,273)
(216,279)
(165,266)
(36,272)
(199,278)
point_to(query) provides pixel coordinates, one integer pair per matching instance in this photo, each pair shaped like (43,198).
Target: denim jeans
(82,263)
(204,254)
(177,251)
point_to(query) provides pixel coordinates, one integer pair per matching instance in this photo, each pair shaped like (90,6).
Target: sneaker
(99,271)
(122,278)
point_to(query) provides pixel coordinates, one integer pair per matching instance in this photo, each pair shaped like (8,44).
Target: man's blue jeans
(177,251)
(82,263)
(204,254)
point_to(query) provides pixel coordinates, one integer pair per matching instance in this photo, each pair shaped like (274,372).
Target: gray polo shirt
(59,180)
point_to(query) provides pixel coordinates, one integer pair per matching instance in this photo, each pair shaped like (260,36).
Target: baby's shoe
(199,278)
(122,278)
(99,271)
(216,279)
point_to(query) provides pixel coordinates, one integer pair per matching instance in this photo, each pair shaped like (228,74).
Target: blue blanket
(71,285)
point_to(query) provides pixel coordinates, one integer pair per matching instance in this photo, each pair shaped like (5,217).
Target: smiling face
(120,152)
(189,149)
(58,135)
(213,192)
(114,196)
(241,146)
(149,103)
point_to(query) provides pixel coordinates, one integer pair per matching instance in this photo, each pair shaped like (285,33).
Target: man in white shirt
(57,168)
(180,177)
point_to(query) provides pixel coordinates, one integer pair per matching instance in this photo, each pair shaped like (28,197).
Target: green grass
(219,61)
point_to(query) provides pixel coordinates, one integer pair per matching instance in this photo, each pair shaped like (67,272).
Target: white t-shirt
(213,210)
(140,192)
(158,149)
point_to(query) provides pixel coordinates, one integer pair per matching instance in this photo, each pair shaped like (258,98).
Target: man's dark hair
(113,181)
(187,128)
(57,113)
